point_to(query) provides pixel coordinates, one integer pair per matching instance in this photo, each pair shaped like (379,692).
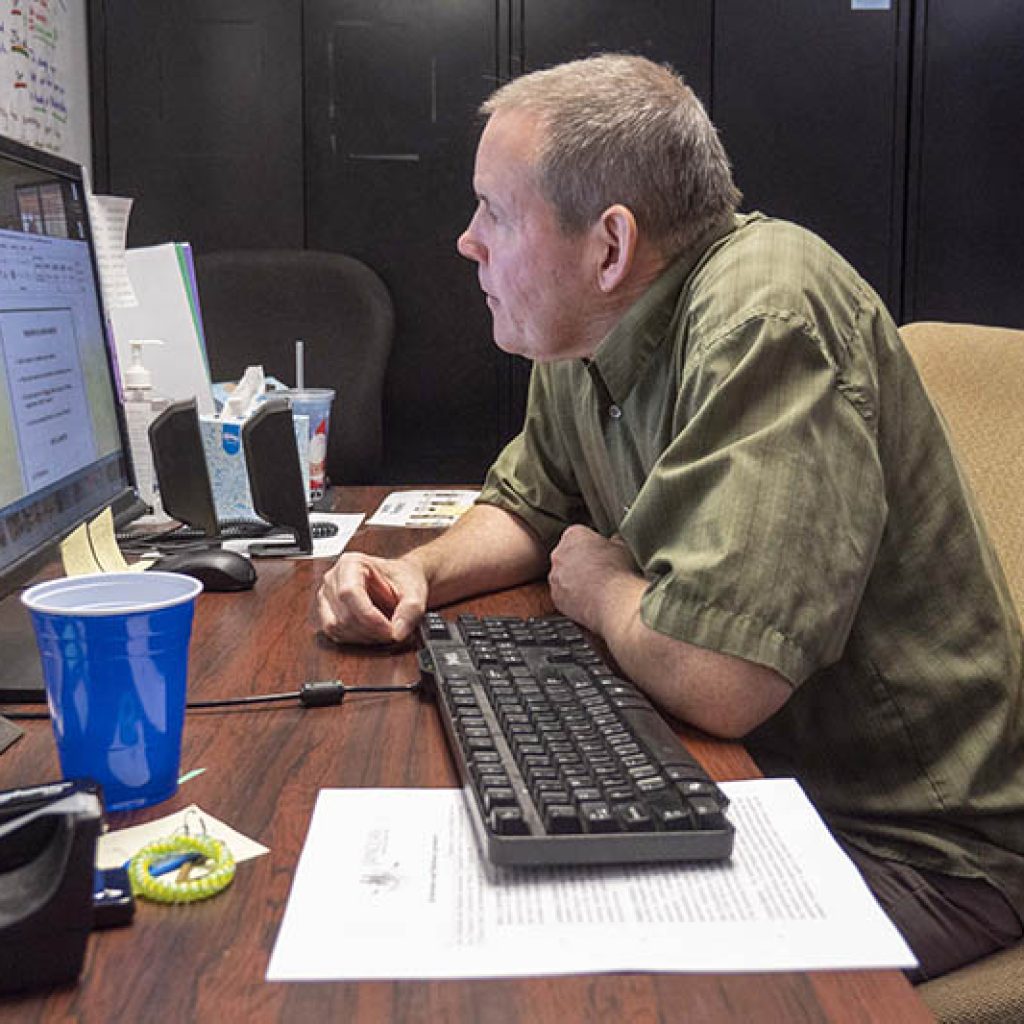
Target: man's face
(531,272)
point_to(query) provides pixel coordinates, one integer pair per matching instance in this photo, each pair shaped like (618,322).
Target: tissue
(222,446)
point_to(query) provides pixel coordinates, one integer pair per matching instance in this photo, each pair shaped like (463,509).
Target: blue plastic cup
(114,648)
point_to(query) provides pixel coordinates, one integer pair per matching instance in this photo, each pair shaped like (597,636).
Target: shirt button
(614,412)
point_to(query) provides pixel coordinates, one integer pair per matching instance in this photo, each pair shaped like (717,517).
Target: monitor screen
(63,447)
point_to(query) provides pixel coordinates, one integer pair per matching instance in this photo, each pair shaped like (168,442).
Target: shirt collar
(622,354)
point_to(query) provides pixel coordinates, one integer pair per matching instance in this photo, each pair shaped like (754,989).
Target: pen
(172,863)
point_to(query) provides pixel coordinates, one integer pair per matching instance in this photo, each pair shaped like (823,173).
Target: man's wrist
(423,562)
(618,606)
(415,561)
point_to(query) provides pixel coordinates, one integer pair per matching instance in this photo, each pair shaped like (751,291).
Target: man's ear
(616,238)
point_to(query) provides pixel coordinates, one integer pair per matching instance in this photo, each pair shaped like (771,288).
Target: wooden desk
(263,770)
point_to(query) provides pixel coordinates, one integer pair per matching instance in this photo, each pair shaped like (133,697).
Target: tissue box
(225,460)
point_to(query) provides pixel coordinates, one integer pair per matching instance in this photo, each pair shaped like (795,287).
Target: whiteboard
(44,76)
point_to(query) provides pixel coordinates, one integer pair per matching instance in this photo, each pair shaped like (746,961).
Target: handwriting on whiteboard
(34,49)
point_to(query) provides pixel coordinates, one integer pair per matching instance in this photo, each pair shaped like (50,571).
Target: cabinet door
(966,217)
(808,98)
(204,120)
(392,88)
(678,33)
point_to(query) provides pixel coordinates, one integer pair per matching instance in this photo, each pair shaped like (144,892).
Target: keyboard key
(508,821)
(651,784)
(597,817)
(562,819)
(499,796)
(707,813)
(634,817)
(435,626)
(671,814)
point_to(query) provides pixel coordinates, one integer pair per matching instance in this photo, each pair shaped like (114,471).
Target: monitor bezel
(14,576)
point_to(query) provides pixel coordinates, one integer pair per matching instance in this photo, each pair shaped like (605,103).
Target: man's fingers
(405,618)
(358,620)
(355,603)
(380,590)
(369,600)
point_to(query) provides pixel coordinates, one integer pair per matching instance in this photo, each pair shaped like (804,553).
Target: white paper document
(167,311)
(109,217)
(390,886)
(423,509)
(114,848)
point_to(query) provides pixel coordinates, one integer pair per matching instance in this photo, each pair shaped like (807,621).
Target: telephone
(50,895)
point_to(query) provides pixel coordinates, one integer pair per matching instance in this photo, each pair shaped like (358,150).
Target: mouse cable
(322,694)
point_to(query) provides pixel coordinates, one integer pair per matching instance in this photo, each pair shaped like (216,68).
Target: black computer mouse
(216,568)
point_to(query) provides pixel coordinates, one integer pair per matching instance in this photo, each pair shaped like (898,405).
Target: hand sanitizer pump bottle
(141,406)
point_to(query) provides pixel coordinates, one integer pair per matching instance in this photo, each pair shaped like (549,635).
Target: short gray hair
(622,129)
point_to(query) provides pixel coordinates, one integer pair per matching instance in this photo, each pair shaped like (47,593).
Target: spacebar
(654,733)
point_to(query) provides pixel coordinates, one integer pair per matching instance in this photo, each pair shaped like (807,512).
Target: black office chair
(257,302)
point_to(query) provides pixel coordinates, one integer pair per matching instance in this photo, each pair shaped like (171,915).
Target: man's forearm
(487,549)
(595,580)
(719,693)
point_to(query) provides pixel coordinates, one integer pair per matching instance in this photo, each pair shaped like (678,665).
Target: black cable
(312,695)
(325,693)
(227,702)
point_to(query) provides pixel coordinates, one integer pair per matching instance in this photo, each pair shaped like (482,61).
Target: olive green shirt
(755,431)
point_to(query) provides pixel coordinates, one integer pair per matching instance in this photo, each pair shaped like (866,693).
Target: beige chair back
(975,375)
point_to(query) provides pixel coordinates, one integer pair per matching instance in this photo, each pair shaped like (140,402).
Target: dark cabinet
(391,91)
(197,113)
(677,33)
(965,255)
(809,98)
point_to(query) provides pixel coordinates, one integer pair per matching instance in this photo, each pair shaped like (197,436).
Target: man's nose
(469,247)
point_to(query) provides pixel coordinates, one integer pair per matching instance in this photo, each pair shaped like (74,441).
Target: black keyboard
(561,761)
(231,529)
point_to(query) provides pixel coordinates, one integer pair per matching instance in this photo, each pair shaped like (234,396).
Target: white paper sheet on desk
(390,886)
(323,547)
(114,848)
(425,510)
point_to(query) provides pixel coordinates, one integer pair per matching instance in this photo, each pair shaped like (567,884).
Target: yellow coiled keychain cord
(197,853)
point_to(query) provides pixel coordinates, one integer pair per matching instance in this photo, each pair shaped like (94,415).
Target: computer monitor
(63,443)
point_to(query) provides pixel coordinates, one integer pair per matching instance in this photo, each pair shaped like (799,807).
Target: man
(730,471)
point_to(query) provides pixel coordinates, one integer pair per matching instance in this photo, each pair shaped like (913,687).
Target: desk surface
(263,769)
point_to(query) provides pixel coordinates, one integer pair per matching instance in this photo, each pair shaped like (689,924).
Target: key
(634,817)
(707,813)
(597,816)
(508,821)
(499,796)
(562,819)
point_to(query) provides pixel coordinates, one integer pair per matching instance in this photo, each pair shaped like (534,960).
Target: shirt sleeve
(759,524)
(532,477)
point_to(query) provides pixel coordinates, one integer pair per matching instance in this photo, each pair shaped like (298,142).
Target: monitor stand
(21,674)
